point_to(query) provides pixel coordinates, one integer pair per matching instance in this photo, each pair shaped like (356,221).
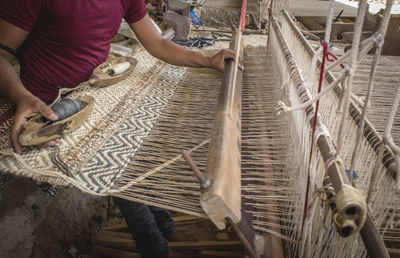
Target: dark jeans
(149,226)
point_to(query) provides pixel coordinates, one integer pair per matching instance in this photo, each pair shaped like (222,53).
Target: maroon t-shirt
(67,39)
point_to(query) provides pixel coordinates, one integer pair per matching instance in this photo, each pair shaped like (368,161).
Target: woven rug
(110,161)
(151,83)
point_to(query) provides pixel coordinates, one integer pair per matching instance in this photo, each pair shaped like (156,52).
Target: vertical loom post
(378,50)
(362,9)
(223,198)
(239,232)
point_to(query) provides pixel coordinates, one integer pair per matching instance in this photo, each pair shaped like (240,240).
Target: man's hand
(218,61)
(26,108)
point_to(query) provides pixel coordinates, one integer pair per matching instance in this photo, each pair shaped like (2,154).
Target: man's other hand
(26,108)
(218,61)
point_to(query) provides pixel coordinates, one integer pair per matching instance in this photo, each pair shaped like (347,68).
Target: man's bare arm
(11,86)
(172,53)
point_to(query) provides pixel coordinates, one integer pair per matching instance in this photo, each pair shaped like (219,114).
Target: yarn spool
(119,68)
(66,108)
(71,114)
(112,71)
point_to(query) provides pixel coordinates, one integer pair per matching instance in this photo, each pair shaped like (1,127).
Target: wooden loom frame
(219,203)
(336,171)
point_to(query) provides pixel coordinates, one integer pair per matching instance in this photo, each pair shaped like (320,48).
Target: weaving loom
(131,145)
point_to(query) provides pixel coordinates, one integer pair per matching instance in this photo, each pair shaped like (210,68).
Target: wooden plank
(393,251)
(113,253)
(223,198)
(116,227)
(246,227)
(248,243)
(222,254)
(273,246)
(129,244)
(123,235)
(177,221)
(205,244)
(119,243)
(186,218)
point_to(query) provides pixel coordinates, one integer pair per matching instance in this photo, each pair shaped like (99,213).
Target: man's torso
(68,40)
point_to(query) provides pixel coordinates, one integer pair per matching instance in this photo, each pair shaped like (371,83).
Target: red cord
(334,58)
(270,8)
(242,21)
(321,77)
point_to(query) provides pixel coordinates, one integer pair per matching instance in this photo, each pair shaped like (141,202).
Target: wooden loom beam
(336,171)
(243,229)
(223,198)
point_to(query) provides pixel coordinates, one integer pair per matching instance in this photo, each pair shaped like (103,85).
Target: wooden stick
(242,237)
(204,182)
(111,252)
(129,244)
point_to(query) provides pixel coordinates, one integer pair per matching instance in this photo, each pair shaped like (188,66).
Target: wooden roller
(222,199)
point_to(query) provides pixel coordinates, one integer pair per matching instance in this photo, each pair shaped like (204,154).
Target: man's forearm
(174,54)
(10,85)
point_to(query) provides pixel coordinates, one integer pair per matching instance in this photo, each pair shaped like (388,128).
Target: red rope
(242,21)
(271,5)
(334,58)
(321,77)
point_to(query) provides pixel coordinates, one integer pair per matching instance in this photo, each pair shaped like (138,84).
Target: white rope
(312,65)
(365,46)
(329,22)
(328,29)
(281,106)
(374,66)
(362,8)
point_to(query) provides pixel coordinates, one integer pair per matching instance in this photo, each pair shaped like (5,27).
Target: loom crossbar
(223,198)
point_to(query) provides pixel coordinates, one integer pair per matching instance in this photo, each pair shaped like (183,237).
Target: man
(59,43)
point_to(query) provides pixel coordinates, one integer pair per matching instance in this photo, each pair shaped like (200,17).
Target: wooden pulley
(71,114)
(112,71)
(344,227)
